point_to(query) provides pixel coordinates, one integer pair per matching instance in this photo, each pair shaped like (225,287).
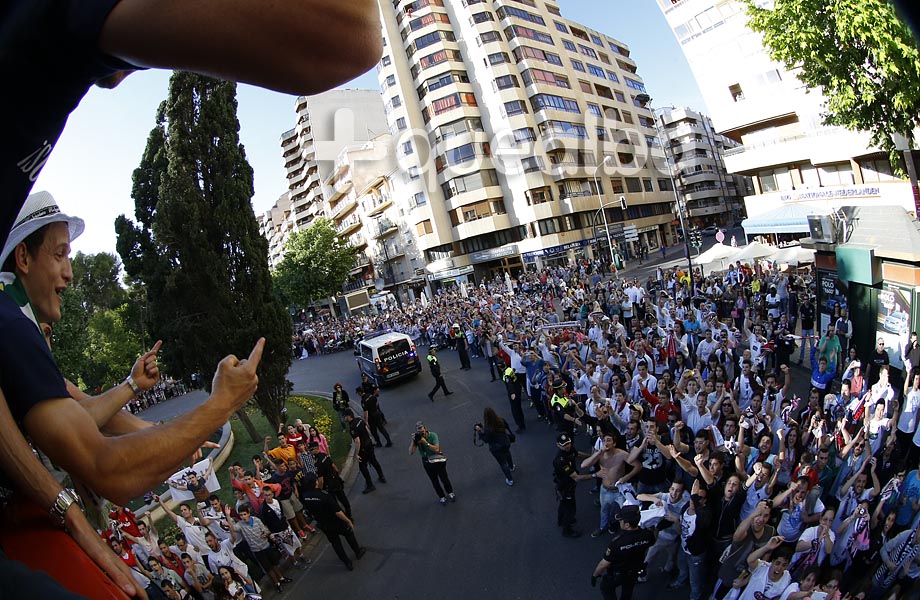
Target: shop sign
(449,273)
(493,253)
(530,257)
(859,191)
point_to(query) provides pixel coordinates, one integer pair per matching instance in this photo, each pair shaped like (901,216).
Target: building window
(596,71)
(526,32)
(401,123)
(526,52)
(424,227)
(767,182)
(569,46)
(589,52)
(612,76)
(632,83)
(602,134)
(489,36)
(595,110)
(506,11)
(506,81)
(545,77)
(407,148)
(665,185)
(499,58)
(396,101)
(561,27)
(541,101)
(539,196)
(841,174)
(619,95)
(385,61)
(578,65)
(532,163)
(515,107)
(432,38)
(525,134)
(585,86)
(413,173)
(647,185)
(633,185)
(481,18)
(616,185)
(736,92)
(418,199)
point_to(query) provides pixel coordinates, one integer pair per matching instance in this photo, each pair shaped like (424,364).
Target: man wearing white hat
(134,457)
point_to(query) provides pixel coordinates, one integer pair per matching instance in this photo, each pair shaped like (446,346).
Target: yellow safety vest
(510,375)
(432,358)
(562,401)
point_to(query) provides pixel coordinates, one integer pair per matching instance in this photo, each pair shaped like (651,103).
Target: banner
(893,322)
(181,479)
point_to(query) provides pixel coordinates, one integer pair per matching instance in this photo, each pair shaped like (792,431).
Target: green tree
(315,265)
(862,57)
(93,345)
(196,246)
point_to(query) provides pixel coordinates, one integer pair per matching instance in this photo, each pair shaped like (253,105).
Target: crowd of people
(160,392)
(225,550)
(683,406)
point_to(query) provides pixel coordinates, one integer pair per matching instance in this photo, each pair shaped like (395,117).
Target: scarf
(12,287)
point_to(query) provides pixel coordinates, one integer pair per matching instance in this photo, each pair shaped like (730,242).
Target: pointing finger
(256,356)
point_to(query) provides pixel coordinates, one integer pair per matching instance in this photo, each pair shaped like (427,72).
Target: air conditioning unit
(821,228)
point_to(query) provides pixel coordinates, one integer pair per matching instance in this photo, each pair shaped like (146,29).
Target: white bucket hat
(39,210)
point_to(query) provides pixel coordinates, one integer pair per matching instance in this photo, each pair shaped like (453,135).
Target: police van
(387,356)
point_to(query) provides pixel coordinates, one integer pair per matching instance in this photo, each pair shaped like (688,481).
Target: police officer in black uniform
(565,476)
(566,412)
(373,415)
(624,558)
(370,388)
(331,520)
(435,367)
(364,450)
(329,479)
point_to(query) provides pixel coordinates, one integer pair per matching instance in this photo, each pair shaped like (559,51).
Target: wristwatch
(133,385)
(64,499)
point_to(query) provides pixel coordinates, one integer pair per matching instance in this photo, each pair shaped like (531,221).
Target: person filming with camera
(428,446)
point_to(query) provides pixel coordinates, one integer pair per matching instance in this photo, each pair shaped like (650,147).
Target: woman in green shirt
(429,448)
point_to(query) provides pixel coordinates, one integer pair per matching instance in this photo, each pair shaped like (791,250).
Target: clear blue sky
(89,172)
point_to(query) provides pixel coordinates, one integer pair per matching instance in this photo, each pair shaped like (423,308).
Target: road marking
(456,406)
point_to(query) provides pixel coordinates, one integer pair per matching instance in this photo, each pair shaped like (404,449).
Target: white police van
(387,356)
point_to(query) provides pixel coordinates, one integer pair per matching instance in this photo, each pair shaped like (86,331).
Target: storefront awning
(789,218)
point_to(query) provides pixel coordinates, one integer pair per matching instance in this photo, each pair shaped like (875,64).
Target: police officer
(435,367)
(373,416)
(331,520)
(624,558)
(463,347)
(364,450)
(565,476)
(513,389)
(565,411)
(329,479)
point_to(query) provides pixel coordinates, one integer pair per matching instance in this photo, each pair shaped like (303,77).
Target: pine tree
(197,247)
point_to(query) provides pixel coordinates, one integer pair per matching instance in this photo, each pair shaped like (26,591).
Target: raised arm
(295,47)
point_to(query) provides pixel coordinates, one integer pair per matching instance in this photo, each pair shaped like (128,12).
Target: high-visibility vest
(510,375)
(562,401)
(432,358)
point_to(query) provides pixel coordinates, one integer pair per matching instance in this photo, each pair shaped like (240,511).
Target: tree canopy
(315,265)
(859,53)
(196,245)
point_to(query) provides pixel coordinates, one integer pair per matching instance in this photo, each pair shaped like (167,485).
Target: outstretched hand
(236,380)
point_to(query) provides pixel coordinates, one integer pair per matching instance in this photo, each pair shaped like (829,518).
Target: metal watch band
(133,385)
(64,499)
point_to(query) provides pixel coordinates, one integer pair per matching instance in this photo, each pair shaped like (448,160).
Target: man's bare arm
(292,46)
(124,467)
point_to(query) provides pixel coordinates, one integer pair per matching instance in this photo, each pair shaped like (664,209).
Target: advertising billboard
(893,324)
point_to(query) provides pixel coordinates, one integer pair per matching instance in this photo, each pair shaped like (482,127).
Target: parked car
(897,322)
(712,230)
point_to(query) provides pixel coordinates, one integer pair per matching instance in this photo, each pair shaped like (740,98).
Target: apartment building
(326,123)
(503,112)
(711,195)
(367,204)
(798,165)
(276,226)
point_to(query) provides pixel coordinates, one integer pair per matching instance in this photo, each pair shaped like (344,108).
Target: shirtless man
(612,462)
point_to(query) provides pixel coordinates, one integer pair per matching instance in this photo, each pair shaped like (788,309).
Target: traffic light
(696,238)
(623,202)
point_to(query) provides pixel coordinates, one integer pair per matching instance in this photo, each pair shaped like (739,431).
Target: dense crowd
(224,551)
(687,400)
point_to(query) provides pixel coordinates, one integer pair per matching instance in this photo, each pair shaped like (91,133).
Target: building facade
(276,226)
(326,123)
(711,195)
(503,112)
(797,164)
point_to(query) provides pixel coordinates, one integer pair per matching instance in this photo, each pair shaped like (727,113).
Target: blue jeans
(805,343)
(611,501)
(693,568)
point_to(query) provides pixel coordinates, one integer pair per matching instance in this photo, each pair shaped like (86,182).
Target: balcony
(385,228)
(343,208)
(349,225)
(379,205)
(357,240)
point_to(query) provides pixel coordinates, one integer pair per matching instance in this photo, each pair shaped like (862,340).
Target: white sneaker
(509,481)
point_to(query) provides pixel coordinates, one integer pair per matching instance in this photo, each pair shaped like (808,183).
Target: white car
(897,322)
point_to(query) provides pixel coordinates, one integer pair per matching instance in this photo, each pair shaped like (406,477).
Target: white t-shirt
(907,422)
(224,557)
(760,587)
(194,533)
(809,535)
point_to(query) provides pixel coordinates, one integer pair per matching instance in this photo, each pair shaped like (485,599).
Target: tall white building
(326,123)
(712,196)
(798,165)
(276,226)
(503,111)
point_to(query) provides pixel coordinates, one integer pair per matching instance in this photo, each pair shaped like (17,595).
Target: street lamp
(645,100)
(600,200)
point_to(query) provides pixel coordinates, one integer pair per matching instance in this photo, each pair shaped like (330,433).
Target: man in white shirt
(642,379)
(706,347)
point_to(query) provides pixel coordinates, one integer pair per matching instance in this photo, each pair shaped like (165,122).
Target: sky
(89,172)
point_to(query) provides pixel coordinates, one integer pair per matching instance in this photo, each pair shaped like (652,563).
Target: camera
(416,437)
